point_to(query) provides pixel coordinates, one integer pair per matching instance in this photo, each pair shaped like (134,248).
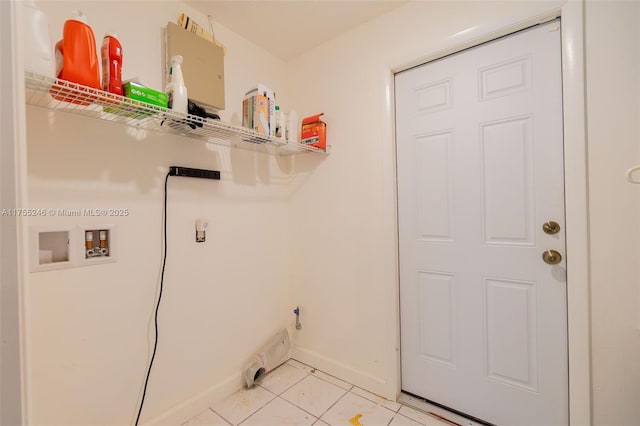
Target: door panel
(510,330)
(480,169)
(434,182)
(436,306)
(506,155)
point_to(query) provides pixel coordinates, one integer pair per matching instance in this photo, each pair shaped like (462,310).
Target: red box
(314,132)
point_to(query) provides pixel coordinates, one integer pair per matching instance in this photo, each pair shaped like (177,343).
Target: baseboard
(342,371)
(191,407)
(186,410)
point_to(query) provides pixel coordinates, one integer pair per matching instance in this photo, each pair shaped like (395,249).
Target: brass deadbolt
(551,257)
(551,227)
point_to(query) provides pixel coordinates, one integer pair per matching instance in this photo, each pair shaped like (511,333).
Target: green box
(141,93)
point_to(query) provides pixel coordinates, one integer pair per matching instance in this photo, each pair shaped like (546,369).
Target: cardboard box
(314,132)
(247,112)
(141,93)
(202,66)
(263,90)
(255,113)
(271,96)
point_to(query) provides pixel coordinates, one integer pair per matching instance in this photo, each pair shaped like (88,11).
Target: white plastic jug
(293,128)
(38,54)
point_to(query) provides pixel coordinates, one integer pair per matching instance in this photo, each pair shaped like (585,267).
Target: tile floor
(296,394)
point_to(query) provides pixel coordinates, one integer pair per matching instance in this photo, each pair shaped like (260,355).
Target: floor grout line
(324,412)
(326,381)
(391,419)
(217,414)
(299,407)
(221,416)
(279,394)
(310,371)
(332,405)
(259,408)
(375,402)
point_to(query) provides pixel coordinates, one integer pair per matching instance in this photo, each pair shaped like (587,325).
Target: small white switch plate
(201,228)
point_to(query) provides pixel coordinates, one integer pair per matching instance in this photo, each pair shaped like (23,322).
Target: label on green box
(141,93)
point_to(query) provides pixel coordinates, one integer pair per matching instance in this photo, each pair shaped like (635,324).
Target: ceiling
(287,28)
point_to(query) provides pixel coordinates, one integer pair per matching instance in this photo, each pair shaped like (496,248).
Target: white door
(480,170)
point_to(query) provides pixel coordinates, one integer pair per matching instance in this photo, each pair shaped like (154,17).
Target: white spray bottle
(176,90)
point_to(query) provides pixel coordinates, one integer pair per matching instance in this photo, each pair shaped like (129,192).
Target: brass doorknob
(551,257)
(551,227)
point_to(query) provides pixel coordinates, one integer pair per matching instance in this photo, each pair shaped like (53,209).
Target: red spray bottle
(112,65)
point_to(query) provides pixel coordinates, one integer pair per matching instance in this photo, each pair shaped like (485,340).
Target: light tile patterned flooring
(296,394)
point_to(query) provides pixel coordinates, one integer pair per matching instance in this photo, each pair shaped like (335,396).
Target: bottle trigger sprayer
(176,90)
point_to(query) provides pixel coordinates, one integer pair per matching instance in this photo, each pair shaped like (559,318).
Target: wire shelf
(68,97)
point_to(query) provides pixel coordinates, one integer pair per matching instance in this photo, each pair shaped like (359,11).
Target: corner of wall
(12,388)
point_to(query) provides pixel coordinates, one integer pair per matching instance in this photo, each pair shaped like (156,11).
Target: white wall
(88,336)
(613,107)
(343,214)
(87,327)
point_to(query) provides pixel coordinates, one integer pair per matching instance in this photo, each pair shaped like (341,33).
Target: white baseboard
(186,410)
(191,407)
(342,371)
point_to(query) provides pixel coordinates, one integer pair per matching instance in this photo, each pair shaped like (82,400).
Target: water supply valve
(99,249)
(297,312)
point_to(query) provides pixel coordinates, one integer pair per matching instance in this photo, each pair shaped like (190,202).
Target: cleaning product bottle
(38,58)
(76,56)
(176,90)
(281,123)
(293,128)
(112,64)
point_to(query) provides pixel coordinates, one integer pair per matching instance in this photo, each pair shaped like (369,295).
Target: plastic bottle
(176,89)
(112,64)
(76,55)
(281,124)
(38,57)
(293,128)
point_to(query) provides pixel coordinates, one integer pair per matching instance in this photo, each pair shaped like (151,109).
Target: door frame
(576,193)
(12,164)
